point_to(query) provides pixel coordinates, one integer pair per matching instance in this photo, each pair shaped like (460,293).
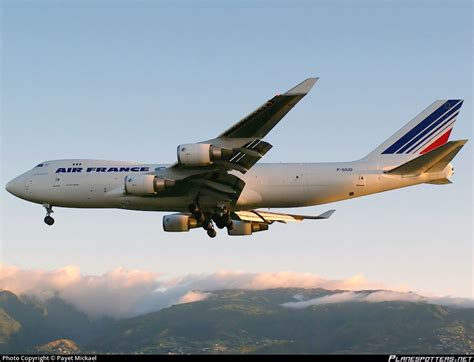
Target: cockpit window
(40,165)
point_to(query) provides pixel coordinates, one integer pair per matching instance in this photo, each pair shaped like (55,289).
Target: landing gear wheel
(225,218)
(206,225)
(212,233)
(220,224)
(227,222)
(49,220)
(222,219)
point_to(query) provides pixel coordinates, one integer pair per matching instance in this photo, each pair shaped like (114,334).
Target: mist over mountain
(122,293)
(281,320)
(26,322)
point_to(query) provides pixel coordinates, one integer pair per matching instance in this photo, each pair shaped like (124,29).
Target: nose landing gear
(49,220)
(49,210)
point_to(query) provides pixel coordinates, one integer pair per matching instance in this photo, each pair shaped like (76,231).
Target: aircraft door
(57,180)
(360,180)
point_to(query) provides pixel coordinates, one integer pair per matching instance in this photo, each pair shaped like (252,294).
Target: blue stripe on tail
(451,111)
(426,138)
(423,126)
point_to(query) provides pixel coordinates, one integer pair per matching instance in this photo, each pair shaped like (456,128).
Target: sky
(132,80)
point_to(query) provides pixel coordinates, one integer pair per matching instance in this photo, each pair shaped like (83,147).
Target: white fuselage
(100,184)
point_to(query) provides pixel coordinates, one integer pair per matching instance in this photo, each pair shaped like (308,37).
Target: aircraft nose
(15,187)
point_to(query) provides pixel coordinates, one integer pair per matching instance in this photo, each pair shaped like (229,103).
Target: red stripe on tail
(439,142)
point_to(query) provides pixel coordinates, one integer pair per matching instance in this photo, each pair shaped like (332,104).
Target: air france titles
(102,169)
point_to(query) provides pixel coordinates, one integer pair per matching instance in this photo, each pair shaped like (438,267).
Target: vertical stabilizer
(426,132)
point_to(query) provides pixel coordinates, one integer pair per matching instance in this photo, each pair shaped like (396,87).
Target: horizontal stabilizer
(443,181)
(433,161)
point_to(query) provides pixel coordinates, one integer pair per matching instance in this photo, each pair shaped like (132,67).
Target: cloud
(173,291)
(124,293)
(377,297)
(194,296)
(256,281)
(328,299)
(114,293)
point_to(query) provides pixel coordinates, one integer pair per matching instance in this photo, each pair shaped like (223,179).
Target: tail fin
(427,131)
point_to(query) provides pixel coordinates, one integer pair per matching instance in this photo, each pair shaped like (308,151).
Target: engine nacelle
(200,154)
(179,222)
(146,184)
(247,228)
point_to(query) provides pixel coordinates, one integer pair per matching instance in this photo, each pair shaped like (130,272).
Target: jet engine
(247,228)
(179,222)
(146,184)
(200,154)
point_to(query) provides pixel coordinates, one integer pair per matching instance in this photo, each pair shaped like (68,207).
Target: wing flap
(243,158)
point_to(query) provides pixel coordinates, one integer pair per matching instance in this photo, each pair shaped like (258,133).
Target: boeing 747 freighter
(218,183)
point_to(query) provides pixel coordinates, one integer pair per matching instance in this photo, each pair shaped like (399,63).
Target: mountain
(243,321)
(26,322)
(238,321)
(8,327)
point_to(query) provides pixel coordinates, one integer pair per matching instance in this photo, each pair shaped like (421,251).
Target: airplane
(219,183)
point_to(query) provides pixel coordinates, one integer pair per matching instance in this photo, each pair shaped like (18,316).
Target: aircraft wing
(270,217)
(241,146)
(203,169)
(261,121)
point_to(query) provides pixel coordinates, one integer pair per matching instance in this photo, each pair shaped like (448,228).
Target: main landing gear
(221,218)
(49,210)
(211,232)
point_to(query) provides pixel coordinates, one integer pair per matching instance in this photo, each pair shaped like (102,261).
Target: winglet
(303,88)
(326,215)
